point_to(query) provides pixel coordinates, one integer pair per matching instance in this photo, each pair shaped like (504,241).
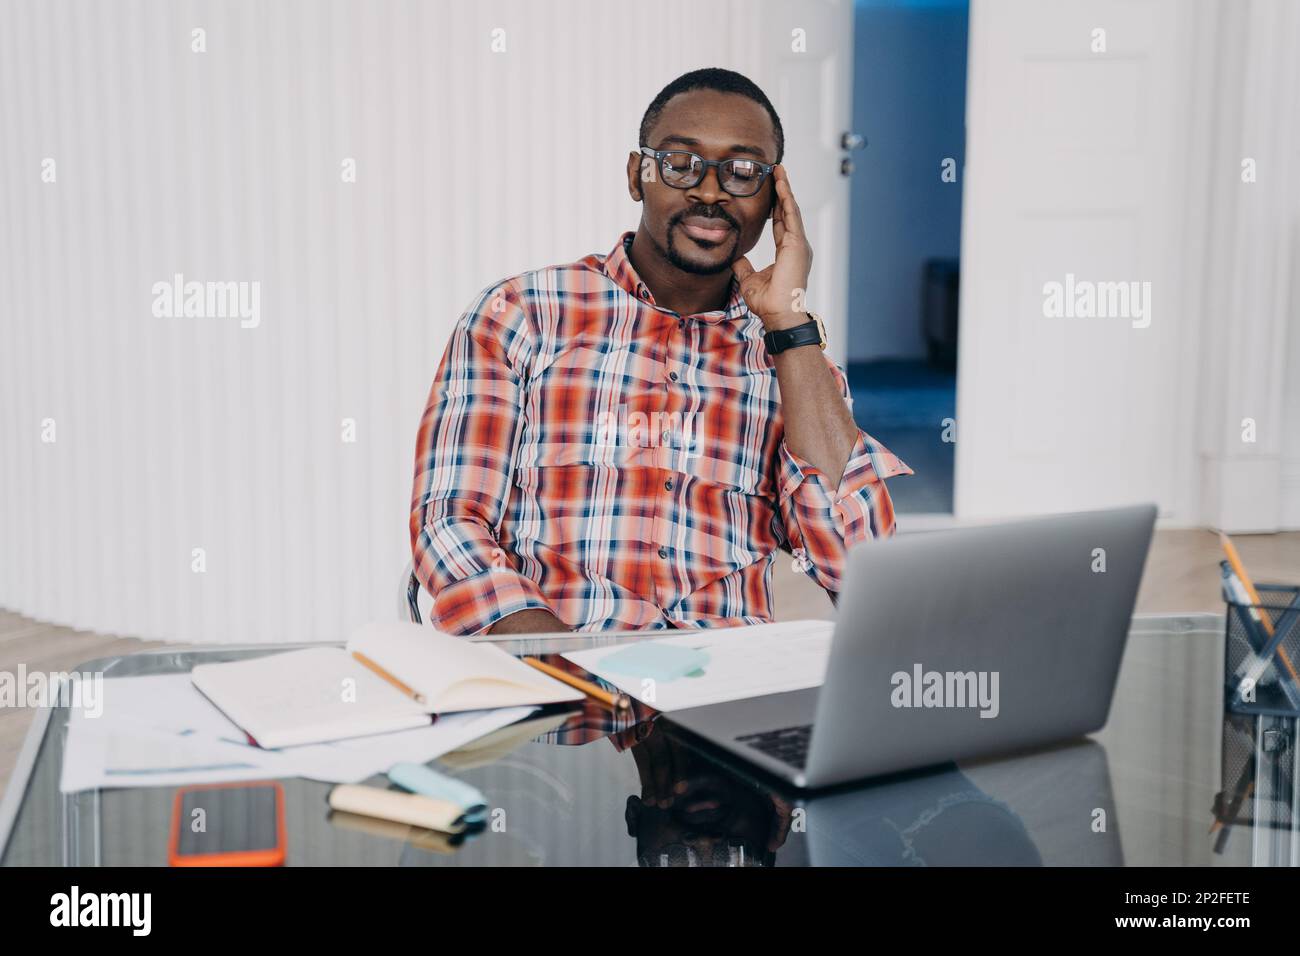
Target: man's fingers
(742,269)
(790,212)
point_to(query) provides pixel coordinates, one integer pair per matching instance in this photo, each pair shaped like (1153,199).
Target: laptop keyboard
(788,745)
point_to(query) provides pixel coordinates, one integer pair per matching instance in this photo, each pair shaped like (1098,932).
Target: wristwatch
(811,332)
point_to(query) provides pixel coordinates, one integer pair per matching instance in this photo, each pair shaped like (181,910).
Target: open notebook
(327,693)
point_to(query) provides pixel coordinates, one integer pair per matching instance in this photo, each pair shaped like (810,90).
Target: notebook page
(455,674)
(306,696)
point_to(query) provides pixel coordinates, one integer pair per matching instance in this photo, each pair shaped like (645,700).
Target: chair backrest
(409,602)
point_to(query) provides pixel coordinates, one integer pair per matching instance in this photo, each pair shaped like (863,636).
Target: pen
(1231,551)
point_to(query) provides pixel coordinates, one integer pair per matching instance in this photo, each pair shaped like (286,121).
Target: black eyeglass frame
(765,169)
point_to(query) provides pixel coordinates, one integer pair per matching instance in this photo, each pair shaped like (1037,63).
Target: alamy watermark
(1085,299)
(75,908)
(949,689)
(84,691)
(209,300)
(624,429)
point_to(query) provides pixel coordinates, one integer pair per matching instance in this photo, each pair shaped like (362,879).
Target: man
(626,441)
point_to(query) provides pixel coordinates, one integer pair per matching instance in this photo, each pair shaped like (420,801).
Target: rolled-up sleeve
(464,460)
(821,523)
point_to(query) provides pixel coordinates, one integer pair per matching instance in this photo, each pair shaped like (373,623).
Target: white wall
(1126,165)
(174,434)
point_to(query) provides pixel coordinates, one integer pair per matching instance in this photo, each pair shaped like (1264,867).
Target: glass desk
(582,791)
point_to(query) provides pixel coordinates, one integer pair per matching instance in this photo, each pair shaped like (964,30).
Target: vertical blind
(244,476)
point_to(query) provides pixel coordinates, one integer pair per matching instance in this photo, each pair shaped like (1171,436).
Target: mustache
(705,212)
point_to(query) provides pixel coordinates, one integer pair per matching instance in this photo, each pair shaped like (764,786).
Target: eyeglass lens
(740,177)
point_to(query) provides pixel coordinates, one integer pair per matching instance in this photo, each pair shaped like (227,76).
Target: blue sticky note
(661,662)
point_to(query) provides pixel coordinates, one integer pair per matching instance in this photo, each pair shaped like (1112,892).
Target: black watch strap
(778,340)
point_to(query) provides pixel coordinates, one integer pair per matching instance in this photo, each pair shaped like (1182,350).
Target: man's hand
(818,424)
(776,294)
(531,621)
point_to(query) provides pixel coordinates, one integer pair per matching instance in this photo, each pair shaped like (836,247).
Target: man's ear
(634,176)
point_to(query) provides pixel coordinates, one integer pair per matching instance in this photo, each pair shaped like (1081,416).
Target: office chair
(409,602)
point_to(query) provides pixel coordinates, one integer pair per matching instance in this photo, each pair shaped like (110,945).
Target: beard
(680,261)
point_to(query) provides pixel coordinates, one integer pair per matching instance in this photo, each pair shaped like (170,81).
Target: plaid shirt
(589,453)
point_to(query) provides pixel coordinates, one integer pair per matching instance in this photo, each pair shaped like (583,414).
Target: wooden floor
(1182,574)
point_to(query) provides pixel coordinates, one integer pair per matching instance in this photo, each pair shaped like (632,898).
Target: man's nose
(708,191)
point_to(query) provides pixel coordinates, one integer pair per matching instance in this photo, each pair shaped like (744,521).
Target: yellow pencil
(619,702)
(1239,569)
(408,691)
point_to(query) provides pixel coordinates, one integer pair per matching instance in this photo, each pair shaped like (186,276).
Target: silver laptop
(951,645)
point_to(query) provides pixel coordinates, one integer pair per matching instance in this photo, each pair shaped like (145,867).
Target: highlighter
(427,782)
(410,808)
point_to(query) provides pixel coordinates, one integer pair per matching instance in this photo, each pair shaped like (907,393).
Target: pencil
(1235,560)
(408,691)
(617,702)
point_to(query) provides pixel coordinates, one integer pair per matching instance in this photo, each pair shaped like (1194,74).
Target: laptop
(950,645)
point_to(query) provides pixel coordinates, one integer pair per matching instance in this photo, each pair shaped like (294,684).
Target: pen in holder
(1262,651)
(1261,686)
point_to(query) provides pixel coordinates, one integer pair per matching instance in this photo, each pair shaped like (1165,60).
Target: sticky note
(661,662)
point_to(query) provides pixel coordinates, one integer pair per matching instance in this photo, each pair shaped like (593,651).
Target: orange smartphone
(228,824)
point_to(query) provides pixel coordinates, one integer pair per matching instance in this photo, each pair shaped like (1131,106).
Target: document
(390,677)
(160,731)
(737,662)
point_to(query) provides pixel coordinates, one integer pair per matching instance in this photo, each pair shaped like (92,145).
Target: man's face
(703,229)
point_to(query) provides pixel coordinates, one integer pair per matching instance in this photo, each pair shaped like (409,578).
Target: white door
(1076,172)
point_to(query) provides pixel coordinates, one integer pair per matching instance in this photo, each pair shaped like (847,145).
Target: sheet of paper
(454,674)
(297,697)
(351,761)
(742,662)
(160,731)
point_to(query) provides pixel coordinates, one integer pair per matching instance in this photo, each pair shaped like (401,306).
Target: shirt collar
(619,268)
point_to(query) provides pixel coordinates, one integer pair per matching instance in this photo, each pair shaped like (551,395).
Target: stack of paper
(160,731)
(390,677)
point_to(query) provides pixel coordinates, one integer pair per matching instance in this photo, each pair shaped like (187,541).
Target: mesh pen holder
(1248,739)
(1259,720)
(1247,638)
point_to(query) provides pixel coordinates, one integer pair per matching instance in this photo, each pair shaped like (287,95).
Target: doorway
(909,103)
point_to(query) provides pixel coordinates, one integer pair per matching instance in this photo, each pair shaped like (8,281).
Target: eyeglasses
(683,170)
(733,854)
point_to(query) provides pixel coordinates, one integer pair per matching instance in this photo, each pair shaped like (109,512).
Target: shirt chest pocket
(624,408)
(580,402)
(732,431)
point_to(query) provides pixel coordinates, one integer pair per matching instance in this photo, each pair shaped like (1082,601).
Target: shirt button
(663,552)
(672,376)
(669,484)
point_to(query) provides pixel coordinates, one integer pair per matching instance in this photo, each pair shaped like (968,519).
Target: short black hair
(712,78)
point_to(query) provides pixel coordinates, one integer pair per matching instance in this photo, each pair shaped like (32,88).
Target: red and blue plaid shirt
(587,452)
